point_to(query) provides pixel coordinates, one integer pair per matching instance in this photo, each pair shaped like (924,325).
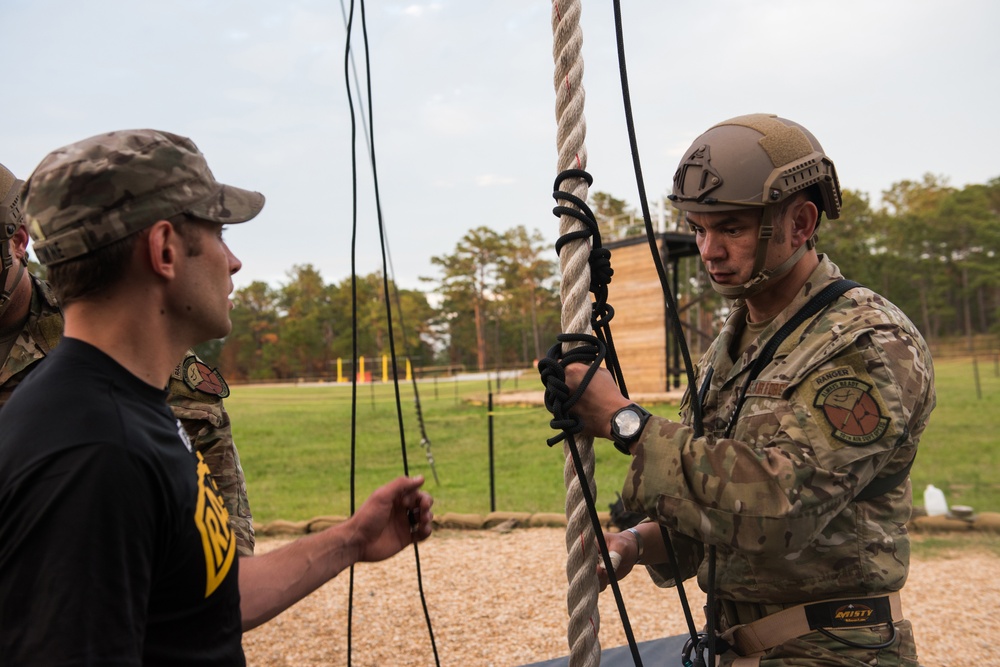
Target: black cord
(696,417)
(354,317)
(592,351)
(650,234)
(388,314)
(848,642)
(354,313)
(425,440)
(600,265)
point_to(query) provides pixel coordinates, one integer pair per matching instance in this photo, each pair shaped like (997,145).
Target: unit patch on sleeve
(199,377)
(850,408)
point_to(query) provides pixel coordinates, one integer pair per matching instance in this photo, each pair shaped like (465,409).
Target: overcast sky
(464,102)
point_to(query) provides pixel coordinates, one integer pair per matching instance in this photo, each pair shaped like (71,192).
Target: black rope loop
(599,259)
(594,351)
(590,232)
(558,399)
(582,213)
(600,270)
(573,173)
(600,275)
(601,315)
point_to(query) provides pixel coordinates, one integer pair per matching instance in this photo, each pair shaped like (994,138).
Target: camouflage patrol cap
(89,194)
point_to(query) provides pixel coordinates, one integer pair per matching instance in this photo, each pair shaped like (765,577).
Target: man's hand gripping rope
(552,369)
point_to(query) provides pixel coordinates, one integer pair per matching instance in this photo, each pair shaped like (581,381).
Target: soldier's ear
(19,242)
(162,249)
(805,219)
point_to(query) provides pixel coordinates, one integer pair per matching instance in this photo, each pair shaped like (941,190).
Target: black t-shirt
(115,547)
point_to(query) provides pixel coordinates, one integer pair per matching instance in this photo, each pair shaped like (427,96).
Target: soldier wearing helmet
(12,250)
(757,166)
(813,399)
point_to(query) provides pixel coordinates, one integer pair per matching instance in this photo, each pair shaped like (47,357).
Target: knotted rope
(592,351)
(574,269)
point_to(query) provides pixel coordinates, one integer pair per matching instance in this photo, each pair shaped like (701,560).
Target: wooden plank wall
(638,327)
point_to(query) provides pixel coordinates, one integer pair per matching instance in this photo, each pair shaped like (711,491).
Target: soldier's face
(727,243)
(17,246)
(207,282)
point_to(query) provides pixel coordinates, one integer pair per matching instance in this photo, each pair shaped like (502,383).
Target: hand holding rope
(560,401)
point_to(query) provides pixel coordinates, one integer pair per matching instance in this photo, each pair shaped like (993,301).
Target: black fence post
(493,498)
(975,372)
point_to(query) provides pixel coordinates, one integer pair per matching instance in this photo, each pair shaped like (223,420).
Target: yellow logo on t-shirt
(212,519)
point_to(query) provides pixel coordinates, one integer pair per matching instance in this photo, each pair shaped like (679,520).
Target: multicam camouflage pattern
(817,649)
(91,193)
(203,415)
(206,421)
(38,337)
(844,401)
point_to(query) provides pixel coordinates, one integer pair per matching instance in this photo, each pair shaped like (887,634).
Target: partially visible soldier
(31,325)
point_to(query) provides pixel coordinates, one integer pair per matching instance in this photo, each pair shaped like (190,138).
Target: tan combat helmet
(756,161)
(10,219)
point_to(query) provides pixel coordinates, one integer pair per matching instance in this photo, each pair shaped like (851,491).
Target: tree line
(497,304)
(930,248)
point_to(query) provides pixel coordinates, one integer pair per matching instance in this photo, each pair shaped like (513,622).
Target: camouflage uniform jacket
(844,400)
(195,402)
(39,335)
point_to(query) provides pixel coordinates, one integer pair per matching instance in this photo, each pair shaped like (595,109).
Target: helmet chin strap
(759,276)
(5,296)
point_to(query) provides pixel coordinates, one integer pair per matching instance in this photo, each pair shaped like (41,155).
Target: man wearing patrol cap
(799,479)
(31,325)
(115,546)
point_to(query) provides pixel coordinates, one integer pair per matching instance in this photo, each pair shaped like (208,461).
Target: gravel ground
(499,599)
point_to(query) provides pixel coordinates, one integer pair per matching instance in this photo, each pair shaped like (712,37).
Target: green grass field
(295,444)
(960,450)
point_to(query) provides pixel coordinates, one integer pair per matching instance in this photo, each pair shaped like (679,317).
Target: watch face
(628,423)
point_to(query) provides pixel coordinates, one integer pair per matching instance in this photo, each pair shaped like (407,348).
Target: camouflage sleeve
(199,407)
(801,449)
(689,553)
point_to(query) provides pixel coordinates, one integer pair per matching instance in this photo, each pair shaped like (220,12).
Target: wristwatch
(627,425)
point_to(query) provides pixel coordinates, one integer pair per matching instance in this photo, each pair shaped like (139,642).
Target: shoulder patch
(198,376)
(851,410)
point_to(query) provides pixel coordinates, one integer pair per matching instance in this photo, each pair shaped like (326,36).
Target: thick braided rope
(581,561)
